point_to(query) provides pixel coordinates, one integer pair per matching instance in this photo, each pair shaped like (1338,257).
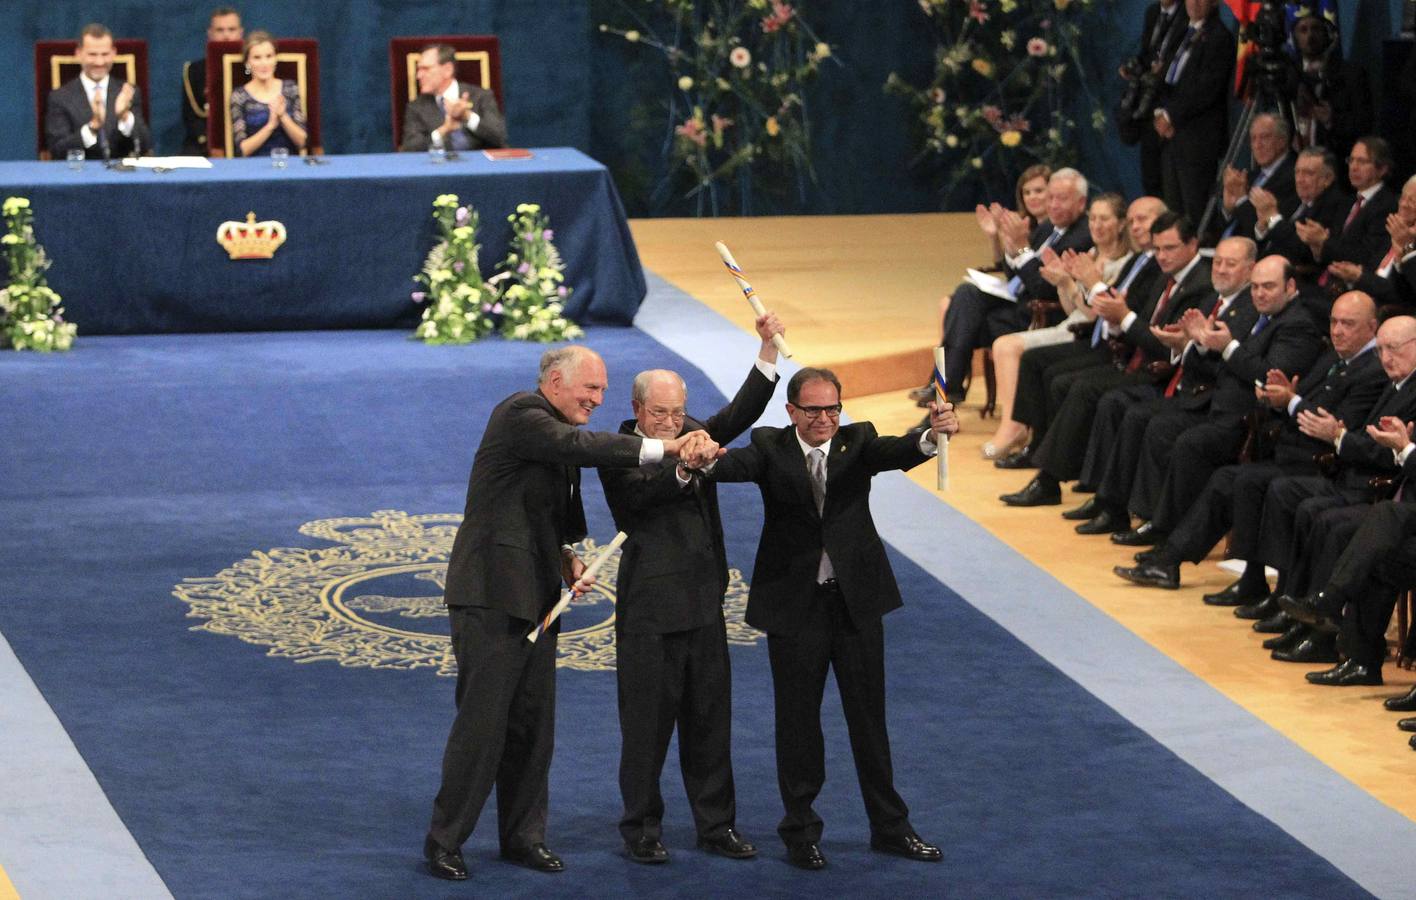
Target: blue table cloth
(136,252)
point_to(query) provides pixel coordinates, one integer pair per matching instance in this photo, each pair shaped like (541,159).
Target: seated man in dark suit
(1269,137)
(1362,237)
(224,24)
(1391,282)
(448,114)
(97,112)
(820,588)
(670,637)
(1320,200)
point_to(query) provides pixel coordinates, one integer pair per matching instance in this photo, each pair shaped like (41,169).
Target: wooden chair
(477,60)
(57,62)
(296,59)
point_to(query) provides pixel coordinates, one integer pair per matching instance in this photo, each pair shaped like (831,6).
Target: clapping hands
(1391,432)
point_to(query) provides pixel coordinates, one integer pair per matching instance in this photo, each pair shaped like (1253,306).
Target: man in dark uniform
(820,587)
(670,637)
(224,24)
(511,552)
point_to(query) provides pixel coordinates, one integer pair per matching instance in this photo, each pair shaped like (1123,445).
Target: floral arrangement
(460,305)
(30,315)
(1008,79)
(534,297)
(735,79)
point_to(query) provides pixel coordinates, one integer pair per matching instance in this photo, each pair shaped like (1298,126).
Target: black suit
(1197,105)
(671,643)
(1373,568)
(976,319)
(1344,87)
(421,117)
(1240,221)
(1328,209)
(836,625)
(1365,240)
(1156,36)
(69,110)
(523,504)
(194,107)
(1396,288)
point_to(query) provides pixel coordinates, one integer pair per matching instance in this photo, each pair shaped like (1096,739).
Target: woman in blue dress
(265,111)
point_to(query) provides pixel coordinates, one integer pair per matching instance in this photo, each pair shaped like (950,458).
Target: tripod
(1266,95)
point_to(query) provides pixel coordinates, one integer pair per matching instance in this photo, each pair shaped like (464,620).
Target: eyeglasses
(659,414)
(1392,348)
(815,412)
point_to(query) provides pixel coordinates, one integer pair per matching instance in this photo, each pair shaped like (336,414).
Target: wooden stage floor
(860,294)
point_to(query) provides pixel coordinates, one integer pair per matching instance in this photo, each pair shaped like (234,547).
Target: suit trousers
(1036,400)
(1165,430)
(1290,506)
(1367,576)
(679,678)
(1122,417)
(1232,500)
(504,730)
(974,320)
(1063,450)
(829,640)
(1189,461)
(1325,538)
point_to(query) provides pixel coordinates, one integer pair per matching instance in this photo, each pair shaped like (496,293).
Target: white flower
(631,36)
(685,83)
(740,57)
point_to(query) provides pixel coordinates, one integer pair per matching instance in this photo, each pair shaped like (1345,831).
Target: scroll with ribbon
(569,594)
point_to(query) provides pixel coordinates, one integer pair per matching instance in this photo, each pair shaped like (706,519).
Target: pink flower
(936,95)
(523,268)
(497,308)
(977,12)
(692,130)
(548,234)
(458,267)
(419,296)
(561,291)
(993,114)
(781,14)
(740,57)
(1037,47)
(462,215)
(720,123)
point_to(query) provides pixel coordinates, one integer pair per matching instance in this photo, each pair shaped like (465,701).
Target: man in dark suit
(820,586)
(97,112)
(224,24)
(1320,201)
(1362,237)
(1391,282)
(976,319)
(1193,111)
(512,550)
(449,114)
(1269,138)
(1163,27)
(670,637)
(1346,380)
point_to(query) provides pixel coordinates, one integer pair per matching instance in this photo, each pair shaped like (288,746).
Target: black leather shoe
(1277,623)
(1316,648)
(1309,610)
(1143,535)
(1412,742)
(1405,703)
(729,844)
(1089,510)
(1291,638)
(1020,460)
(806,856)
(1346,674)
(1407,724)
(1034,494)
(907,845)
(1151,575)
(1232,596)
(442,863)
(535,857)
(645,849)
(1106,523)
(1259,609)
(1081,487)
(1144,556)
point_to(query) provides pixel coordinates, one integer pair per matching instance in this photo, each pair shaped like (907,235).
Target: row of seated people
(101,113)
(1250,393)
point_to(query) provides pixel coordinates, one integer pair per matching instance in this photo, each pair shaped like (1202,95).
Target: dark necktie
(1260,325)
(1182,53)
(458,139)
(1174,384)
(816,469)
(1137,356)
(1356,208)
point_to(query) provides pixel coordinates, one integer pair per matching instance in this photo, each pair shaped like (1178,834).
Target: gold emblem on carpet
(374,598)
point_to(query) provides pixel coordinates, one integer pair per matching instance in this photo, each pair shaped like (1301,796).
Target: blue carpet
(135,464)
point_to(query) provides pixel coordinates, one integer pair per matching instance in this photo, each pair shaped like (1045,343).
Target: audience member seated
(265,111)
(1392,282)
(1346,380)
(1269,138)
(1362,239)
(1333,99)
(1030,203)
(224,24)
(449,114)
(1320,201)
(98,112)
(1072,274)
(976,319)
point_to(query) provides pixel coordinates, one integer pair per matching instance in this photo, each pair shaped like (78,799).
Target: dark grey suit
(523,504)
(421,117)
(68,111)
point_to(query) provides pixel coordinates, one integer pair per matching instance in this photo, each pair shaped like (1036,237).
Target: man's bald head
(1396,342)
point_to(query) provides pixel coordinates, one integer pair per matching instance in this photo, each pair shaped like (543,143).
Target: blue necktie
(1100,327)
(1015,283)
(1172,74)
(1260,324)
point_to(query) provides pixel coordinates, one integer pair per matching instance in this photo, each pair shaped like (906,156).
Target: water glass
(76,159)
(436,154)
(278,156)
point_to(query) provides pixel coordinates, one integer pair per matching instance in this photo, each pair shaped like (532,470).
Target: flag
(1244,12)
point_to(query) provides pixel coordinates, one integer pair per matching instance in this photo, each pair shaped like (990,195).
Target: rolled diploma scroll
(942,440)
(564,603)
(750,294)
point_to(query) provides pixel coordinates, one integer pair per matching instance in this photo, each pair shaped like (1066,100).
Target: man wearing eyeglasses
(670,638)
(820,585)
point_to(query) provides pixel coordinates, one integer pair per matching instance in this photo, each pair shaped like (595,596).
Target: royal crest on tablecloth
(250,239)
(374,598)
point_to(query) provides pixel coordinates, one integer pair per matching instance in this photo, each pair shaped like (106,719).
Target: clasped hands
(693,450)
(457,113)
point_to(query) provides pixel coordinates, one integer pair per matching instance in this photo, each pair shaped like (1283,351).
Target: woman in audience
(265,111)
(1030,198)
(1112,251)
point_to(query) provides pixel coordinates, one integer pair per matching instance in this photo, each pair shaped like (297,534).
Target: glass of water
(437,154)
(76,159)
(278,156)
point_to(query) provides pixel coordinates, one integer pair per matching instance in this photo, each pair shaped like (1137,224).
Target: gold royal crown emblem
(250,239)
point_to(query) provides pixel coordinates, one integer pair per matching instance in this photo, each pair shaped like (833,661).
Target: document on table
(991,285)
(168,162)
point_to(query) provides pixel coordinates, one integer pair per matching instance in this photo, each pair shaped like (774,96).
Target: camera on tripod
(1142,85)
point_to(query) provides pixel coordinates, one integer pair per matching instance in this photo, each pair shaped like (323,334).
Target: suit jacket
(1195,290)
(1198,102)
(674,570)
(68,112)
(1345,88)
(794,533)
(194,107)
(421,118)
(1243,218)
(523,503)
(1328,209)
(1398,288)
(1076,236)
(1362,458)
(1289,343)
(1365,241)
(1349,395)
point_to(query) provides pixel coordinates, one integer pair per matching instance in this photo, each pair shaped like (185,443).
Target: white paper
(991,285)
(168,162)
